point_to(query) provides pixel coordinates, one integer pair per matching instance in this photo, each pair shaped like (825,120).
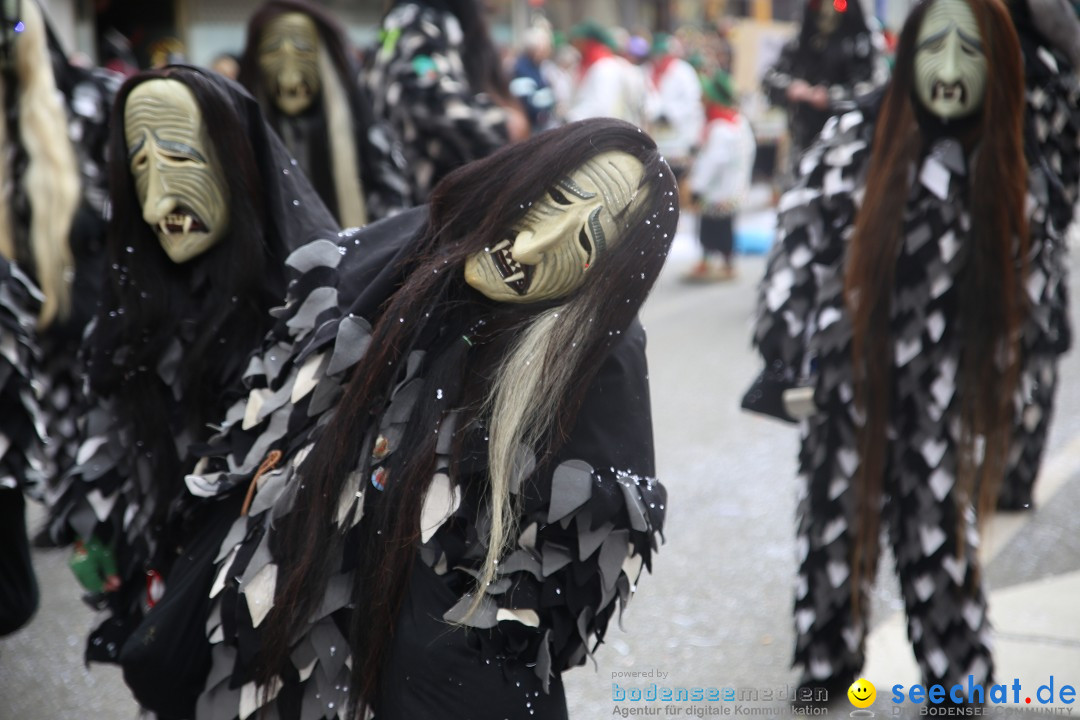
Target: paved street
(717,610)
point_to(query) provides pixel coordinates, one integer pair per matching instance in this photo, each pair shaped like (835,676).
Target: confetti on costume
(395,308)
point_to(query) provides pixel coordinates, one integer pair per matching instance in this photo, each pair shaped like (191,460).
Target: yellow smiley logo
(862,693)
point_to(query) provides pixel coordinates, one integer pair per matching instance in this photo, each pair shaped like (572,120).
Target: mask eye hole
(558,197)
(583,239)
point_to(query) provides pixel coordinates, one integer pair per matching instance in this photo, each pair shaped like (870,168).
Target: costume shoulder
(320,333)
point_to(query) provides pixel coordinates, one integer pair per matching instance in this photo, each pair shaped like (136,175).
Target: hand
(818,96)
(798,91)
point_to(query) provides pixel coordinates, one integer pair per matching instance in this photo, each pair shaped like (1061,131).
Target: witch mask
(562,235)
(289,61)
(178,179)
(950,65)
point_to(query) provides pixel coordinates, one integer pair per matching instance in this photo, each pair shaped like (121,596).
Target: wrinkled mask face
(950,66)
(178,179)
(289,60)
(828,17)
(562,235)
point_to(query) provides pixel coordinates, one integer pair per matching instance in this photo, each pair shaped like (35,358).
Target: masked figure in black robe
(822,71)
(449,446)
(299,66)
(905,283)
(201,224)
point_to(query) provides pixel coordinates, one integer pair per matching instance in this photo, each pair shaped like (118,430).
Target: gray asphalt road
(717,610)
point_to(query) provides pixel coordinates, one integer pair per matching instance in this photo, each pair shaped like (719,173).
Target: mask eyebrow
(934,38)
(973,41)
(133,150)
(179,147)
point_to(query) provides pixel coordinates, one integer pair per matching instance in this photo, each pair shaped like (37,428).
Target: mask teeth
(163,225)
(502,245)
(519,275)
(187,224)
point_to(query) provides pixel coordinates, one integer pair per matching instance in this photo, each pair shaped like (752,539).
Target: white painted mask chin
(289,61)
(950,63)
(179,181)
(563,234)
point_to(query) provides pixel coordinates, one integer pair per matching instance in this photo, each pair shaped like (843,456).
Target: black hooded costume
(378,154)
(589,520)
(151,403)
(848,61)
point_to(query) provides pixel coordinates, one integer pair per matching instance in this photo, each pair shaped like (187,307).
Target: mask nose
(950,67)
(158,202)
(530,245)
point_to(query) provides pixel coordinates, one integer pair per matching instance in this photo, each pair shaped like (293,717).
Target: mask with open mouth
(950,65)
(178,180)
(562,235)
(289,60)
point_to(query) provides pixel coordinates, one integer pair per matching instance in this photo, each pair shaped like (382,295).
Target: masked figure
(453,413)
(1050,43)
(201,224)
(835,59)
(436,79)
(53,135)
(299,66)
(903,284)
(20,443)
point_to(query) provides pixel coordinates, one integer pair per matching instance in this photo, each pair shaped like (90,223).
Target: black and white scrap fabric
(803,326)
(590,520)
(22,427)
(87,95)
(1052,147)
(417,83)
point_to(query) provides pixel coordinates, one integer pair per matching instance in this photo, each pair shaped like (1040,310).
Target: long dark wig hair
(219,299)
(992,301)
(473,208)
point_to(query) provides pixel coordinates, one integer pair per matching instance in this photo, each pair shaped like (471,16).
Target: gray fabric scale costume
(590,522)
(804,333)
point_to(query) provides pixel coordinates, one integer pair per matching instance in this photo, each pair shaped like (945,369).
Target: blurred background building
(200,29)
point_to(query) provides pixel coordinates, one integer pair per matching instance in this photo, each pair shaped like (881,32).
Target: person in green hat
(720,178)
(608,85)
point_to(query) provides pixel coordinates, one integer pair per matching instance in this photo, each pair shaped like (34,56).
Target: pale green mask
(289,60)
(950,66)
(178,179)
(563,234)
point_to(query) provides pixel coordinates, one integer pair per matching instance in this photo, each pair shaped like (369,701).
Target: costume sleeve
(779,77)
(21,427)
(815,222)
(591,521)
